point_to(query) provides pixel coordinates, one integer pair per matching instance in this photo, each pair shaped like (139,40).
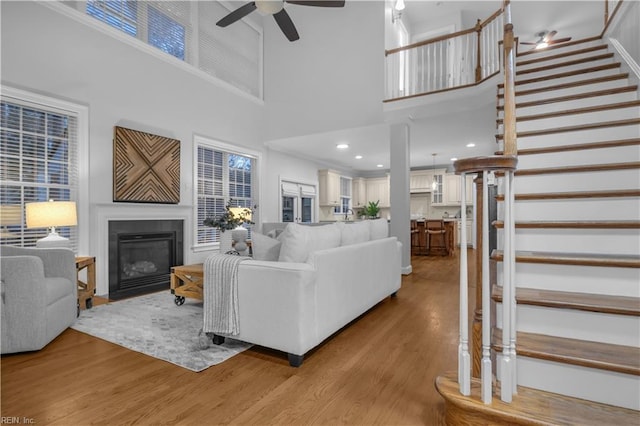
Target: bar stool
(436,235)
(415,237)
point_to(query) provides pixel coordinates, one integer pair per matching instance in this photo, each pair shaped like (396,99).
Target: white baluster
(464,360)
(485,371)
(506,389)
(512,280)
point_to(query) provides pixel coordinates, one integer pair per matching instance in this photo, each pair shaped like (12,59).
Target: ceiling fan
(276,8)
(545,38)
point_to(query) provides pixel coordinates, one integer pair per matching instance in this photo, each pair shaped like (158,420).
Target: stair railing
(452,61)
(506,164)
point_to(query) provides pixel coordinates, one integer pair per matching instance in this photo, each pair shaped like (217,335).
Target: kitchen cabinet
(358,192)
(378,190)
(468,233)
(452,190)
(437,195)
(420,181)
(329,188)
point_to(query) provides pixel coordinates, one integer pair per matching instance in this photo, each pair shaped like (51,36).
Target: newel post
(478,29)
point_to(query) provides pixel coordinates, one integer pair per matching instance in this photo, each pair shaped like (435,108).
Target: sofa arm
(23,288)
(57,262)
(277,305)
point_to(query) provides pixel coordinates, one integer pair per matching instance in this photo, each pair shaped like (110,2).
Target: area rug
(154,325)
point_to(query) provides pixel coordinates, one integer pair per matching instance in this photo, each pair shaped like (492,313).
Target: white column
(464,359)
(399,197)
(506,389)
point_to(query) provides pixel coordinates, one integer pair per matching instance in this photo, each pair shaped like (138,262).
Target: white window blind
(39,157)
(345,195)
(221,176)
(187,30)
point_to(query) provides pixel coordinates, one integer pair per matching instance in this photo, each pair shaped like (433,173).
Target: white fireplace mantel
(102,214)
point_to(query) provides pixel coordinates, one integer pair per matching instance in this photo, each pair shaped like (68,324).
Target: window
(345,196)
(222,176)
(39,157)
(187,31)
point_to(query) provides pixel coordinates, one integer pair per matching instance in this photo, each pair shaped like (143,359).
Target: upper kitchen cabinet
(453,192)
(329,183)
(378,190)
(359,192)
(420,181)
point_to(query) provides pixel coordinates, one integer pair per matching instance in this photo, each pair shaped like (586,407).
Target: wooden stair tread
(575,224)
(566,64)
(558,46)
(587,168)
(577,147)
(565,74)
(577,96)
(604,356)
(603,303)
(574,111)
(561,55)
(531,407)
(582,127)
(584,259)
(616,193)
(569,85)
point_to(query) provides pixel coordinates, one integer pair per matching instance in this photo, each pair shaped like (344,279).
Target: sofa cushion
(265,248)
(379,228)
(300,240)
(353,233)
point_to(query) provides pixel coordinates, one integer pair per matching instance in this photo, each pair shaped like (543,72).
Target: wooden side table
(86,290)
(186,281)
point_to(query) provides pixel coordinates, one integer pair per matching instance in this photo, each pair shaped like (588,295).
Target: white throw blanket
(220,290)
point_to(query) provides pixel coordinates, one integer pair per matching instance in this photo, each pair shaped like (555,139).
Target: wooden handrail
(510,147)
(429,41)
(608,18)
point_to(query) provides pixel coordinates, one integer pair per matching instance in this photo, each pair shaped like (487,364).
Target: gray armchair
(39,296)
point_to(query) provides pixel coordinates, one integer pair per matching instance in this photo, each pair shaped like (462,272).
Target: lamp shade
(243,213)
(51,213)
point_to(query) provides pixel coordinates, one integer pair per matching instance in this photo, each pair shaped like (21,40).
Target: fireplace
(141,254)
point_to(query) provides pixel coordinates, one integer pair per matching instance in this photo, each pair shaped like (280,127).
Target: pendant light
(434,184)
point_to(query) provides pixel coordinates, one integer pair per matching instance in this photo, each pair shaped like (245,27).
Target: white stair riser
(565,182)
(576,209)
(606,85)
(560,60)
(575,324)
(523,85)
(579,382)
(574,104)
(543,53)
(576,119)
(576,278)
(579,136)
(560,69)
(611,241)
(575,158)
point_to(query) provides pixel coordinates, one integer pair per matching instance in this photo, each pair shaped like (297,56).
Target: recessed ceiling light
(358,157)
(342,146)
(471,145)
(454,159)
(380,165)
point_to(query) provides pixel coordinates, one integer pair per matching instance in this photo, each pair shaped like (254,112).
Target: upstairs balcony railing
(456,60)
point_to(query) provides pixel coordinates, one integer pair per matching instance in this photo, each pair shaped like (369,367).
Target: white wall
(49,53)
(333,77)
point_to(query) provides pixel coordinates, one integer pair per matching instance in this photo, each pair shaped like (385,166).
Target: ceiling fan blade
(560,40)
(237,14)
(528,42)
(550,35)
(286,25)
(318,3)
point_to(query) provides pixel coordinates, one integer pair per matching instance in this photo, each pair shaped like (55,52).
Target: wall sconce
(49,214)
(395,15)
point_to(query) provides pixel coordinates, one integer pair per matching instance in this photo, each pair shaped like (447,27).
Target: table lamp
(10,214)
(49,214)
(240,233)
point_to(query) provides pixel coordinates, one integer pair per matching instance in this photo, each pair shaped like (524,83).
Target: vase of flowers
(231,218)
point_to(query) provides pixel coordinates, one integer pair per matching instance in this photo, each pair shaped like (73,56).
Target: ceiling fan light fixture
(542,45)
(269,7)
(399,5)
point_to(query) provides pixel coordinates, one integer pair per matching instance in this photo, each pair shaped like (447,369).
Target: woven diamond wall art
(146,167)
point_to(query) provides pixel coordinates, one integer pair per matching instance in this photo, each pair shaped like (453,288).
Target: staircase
(577,240)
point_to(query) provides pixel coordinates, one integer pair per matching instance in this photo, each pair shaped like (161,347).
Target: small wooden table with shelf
(86,290)
(186,281)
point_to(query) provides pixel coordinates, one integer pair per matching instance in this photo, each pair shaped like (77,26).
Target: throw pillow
(353,233)
(300,240)
(379,228)
(265,248)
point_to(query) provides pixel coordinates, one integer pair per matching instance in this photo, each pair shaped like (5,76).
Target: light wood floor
(379,370)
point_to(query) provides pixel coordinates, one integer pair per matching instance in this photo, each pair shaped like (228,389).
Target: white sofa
(324,277)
